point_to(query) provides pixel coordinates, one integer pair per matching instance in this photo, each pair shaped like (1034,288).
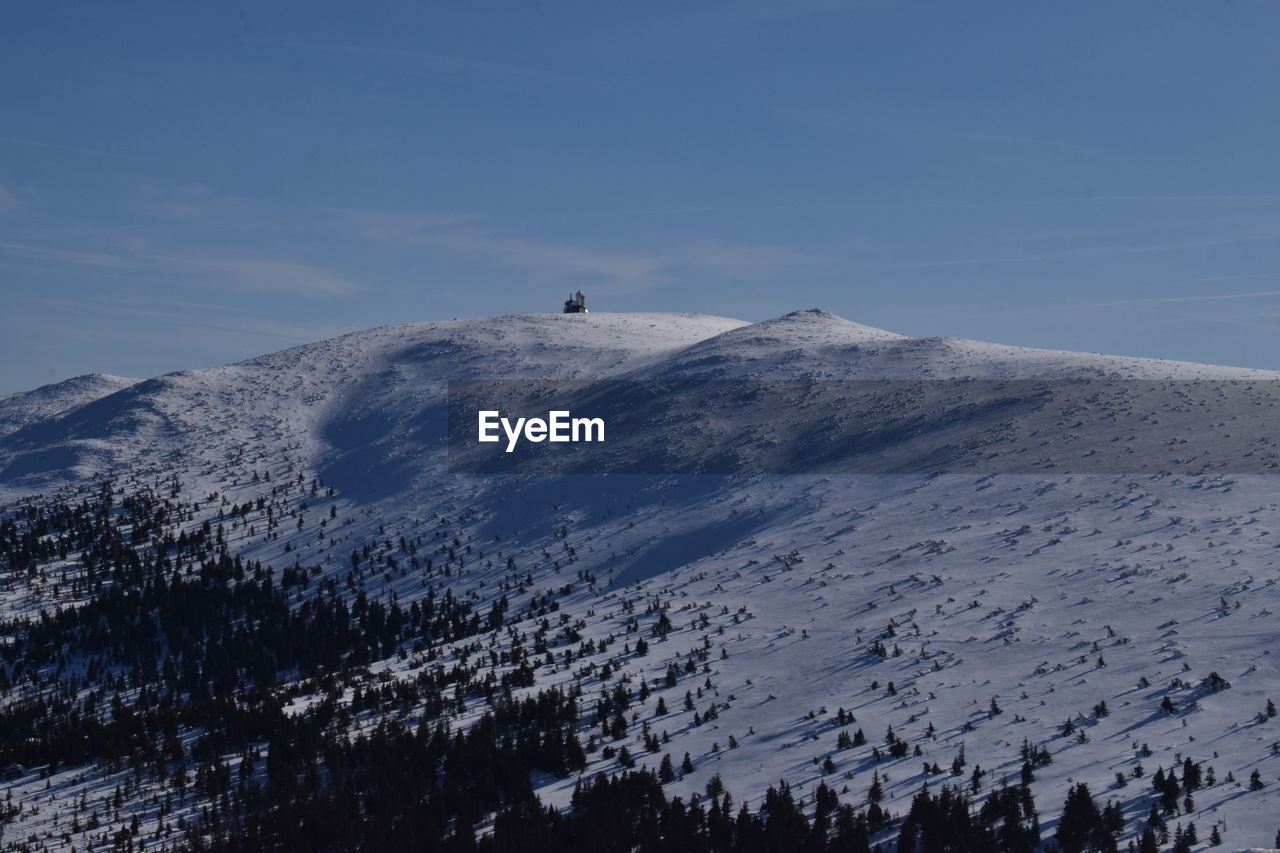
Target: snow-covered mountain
(968,614)
(48,401)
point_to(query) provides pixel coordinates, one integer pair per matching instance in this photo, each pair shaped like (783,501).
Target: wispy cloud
(738,258)
(262,274)
(549,259)
(388,227)
(194,203)
(932,131)
(1005,139)
(168,322)
(58,256)
(696,17)
(462,234)
(422,62)
(442,236)
(770,9)
(1199,297)
(45,145)
(1095,251)
(8,201)
(619,269)
(1227,199)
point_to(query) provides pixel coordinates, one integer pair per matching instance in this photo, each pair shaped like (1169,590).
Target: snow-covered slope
(47,401)
(818,344)
(324,398)
(967,613)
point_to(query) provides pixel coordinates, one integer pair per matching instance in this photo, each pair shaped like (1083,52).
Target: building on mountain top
(576,303)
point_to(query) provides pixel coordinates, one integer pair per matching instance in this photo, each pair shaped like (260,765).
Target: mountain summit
(382,387)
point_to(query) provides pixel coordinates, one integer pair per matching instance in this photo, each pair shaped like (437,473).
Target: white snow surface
(47,401)
(1047,594)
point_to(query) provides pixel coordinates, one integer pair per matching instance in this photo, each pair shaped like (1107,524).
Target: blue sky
(182,185)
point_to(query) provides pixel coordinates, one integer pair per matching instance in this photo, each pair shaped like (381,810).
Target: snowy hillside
(973,629)
(18,410)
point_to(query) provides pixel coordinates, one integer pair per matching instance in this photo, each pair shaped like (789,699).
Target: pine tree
(1082,826)
(715,786)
